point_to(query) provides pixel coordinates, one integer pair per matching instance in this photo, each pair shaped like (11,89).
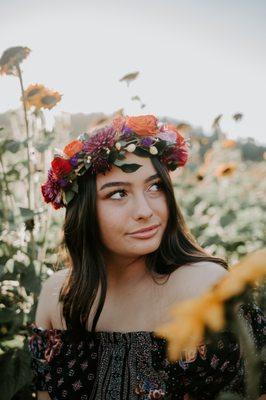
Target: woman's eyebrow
(111,184)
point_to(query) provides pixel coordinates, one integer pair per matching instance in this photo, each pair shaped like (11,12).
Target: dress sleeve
(37,345)
(219,365)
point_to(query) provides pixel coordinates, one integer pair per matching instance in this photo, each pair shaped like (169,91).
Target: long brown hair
(84,247)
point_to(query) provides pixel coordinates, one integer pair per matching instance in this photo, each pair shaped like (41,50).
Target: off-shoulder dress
(134,365)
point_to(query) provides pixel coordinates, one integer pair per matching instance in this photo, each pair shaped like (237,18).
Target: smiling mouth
(149,228)
(145,234)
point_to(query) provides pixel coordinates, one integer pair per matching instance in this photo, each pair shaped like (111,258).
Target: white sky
(197,58)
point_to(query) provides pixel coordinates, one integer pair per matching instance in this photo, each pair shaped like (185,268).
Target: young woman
(131,258)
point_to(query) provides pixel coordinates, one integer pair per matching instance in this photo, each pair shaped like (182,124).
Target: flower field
(221,192)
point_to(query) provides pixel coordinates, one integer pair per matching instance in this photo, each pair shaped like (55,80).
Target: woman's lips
(145,234)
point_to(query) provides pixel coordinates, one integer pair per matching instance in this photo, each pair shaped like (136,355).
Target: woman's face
(128,202)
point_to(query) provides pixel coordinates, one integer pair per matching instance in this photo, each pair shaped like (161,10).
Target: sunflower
(225,169)
(11,58)
(32,94)
(39,96)
(49,99)
(249,271)
(190,318)
(228,144)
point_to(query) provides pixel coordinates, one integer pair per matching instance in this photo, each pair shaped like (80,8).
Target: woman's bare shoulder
(192,280)
(48,303)
(56,280)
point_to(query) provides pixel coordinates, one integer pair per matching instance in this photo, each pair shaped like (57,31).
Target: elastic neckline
(97,333)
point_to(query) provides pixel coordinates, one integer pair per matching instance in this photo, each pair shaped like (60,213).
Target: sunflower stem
(28,156)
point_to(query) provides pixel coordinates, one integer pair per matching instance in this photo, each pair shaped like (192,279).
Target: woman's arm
(45,395)
(42,318)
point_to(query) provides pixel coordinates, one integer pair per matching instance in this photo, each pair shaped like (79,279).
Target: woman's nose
(142,208)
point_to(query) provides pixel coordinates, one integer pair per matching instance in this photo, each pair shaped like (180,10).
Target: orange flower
(73,147)
(143,125)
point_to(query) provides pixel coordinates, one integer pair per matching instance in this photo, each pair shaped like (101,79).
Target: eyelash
(159,184)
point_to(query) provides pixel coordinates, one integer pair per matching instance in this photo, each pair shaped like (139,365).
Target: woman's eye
(158,184)
(116,194)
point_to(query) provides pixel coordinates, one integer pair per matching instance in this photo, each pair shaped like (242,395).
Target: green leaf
(139,151)
(75,187)
(15,372)
(160,145)
(13,175)
(128,167)
(42,146)
(113,155)
(6,315)
(12,145)
(30,279)
(121,155)
(26,213)
(69,195)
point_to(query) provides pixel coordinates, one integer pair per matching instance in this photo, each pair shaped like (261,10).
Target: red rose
(61,167)
(182,156)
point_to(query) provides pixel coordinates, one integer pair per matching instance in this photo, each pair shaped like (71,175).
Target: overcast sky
(197,58)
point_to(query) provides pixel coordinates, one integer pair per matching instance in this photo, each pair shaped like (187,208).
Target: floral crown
(142,135)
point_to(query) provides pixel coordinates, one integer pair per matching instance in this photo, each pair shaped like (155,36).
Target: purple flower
(63,182)
(74,160)
(168,136)
(147,141)
(127,132)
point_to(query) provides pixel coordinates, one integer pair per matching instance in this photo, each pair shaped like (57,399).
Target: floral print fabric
(134,365)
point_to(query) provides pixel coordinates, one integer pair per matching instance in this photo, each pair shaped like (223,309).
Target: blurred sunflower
(228,144)
(201,172)
(11,58)
(208,156)
(48,99)
(226,169)
(191,318)
(249,271)
(32,93)
(39,96)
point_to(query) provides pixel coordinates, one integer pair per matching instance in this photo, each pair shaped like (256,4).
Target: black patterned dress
(134,365)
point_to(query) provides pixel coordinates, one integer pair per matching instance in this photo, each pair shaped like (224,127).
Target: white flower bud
(87,159)
(107,151)
(118,145)
(131,147)
(153,150)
